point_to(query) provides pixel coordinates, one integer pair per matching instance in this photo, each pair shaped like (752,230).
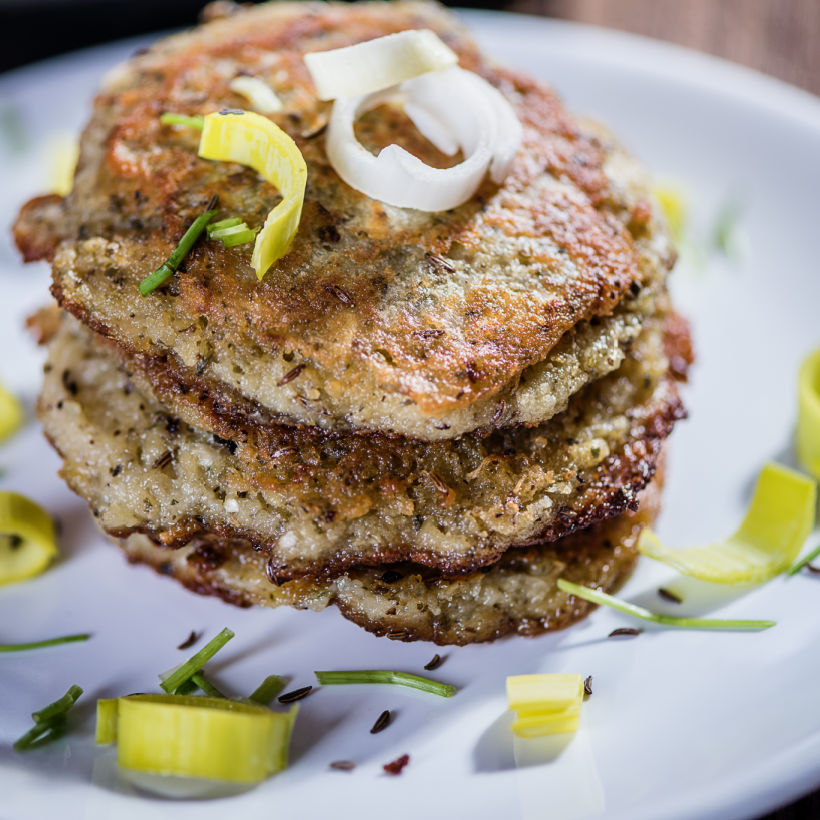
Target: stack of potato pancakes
(425,419)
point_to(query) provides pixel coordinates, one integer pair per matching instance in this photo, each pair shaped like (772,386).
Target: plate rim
(761,789)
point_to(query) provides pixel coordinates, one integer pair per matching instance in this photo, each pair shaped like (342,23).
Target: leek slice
(257,92)
(63,154)
(545,704)
(778,521)
(28,541)
(11,414)
(808,414)
(199,737)
(597,597)
(251,139)
(377,64)
(673,205)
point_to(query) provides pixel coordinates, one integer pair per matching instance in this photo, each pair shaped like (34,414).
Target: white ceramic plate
(681,724)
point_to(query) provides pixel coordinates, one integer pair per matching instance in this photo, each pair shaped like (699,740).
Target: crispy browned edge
(618,536)
(613,489)
(584,170)
(610,489)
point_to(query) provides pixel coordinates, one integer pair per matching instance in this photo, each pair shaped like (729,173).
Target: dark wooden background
(779,37)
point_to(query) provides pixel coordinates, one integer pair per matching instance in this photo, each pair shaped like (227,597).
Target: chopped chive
(206,686)
(725,231)
(40,733)
(232,230)
(59,707)
(49,722)
(248,235)
(172,680)
(801,562)
(268,689)
(223,223)
(196,121)
(445,690)
(169,266)
(21,647)
(596,597)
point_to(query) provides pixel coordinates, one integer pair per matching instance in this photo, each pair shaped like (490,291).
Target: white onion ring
(454,102)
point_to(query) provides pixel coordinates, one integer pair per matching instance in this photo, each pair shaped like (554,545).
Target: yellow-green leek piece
(28,541)
(808,414)
(253,140)
(190,736)
(11,414)
(778,521)
(545,704)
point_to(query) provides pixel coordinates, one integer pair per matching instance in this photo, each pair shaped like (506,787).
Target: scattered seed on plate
(670,596)
(190,640)
(396,766)
(588,685)
(382,722)
(343,765)
(434,663)
(296,694)
(624,631)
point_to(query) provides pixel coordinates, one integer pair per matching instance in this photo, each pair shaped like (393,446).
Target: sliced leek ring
(196,737)
(28,541)
(377,64)
(257,92)
(545,704)
(808,414)
(253,140)
(778,521)
(11,414)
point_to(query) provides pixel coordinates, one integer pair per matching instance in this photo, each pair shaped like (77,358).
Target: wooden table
(778,37)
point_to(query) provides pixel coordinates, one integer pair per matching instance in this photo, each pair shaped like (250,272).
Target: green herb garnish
(596,597)
(206,686)
(230,222)
(49,722)
(21,647)
(445,690)
(196,121)
(268,689)
(172,680)
(725,236)
(169,267)
(800,563)
(232,231)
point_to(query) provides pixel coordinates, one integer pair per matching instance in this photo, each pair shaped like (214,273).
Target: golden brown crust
(526,261)
(517,595)
(321,504)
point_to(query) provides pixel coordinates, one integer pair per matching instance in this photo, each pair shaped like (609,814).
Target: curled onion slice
(454,102)
(253,140)
(376,64)
(778,521)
